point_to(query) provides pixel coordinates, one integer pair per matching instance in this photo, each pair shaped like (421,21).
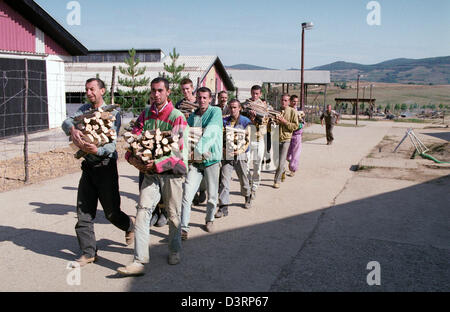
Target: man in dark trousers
(234,160)
(331,118)
(99,179)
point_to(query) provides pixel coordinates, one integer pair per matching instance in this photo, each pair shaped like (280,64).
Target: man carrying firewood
(236,145)
(207,154)
(288,121)
(164,175)
(187,88)
(189,101)
(99,179)
(257,145)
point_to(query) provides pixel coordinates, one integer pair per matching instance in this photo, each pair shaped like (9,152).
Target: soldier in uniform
(331,118)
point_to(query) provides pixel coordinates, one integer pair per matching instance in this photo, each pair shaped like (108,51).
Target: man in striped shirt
(163,178)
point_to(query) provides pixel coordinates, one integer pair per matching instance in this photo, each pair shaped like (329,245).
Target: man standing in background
(331,118)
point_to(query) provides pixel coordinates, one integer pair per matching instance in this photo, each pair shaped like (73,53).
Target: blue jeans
(154,187)
(194,178)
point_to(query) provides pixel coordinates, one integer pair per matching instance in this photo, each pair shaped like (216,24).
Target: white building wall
(56,91)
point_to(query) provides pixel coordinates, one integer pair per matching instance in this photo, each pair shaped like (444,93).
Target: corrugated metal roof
(281,76)
(245,79)
(77,73)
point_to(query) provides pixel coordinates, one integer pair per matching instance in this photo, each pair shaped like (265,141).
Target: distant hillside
(434,70)
(247,67)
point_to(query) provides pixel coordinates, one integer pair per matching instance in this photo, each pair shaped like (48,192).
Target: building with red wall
(28,32)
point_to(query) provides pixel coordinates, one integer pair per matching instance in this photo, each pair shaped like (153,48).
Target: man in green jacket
(207,156)
(288,121)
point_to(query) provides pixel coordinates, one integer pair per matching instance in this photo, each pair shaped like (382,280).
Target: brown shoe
(184,235)
(283,176)
(276,185)
(129,236)
(83,260)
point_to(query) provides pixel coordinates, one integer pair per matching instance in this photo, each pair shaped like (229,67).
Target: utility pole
(357,95)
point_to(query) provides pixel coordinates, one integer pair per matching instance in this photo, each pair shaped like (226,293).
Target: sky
(263,33)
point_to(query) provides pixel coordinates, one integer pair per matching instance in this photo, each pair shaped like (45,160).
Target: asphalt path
(326,229)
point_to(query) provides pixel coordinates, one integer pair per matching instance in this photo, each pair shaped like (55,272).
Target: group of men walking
(175,179)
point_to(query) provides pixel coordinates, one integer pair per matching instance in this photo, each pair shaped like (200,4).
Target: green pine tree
(137,93)
(174,77)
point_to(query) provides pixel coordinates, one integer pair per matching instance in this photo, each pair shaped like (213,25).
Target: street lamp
(357,95)
(307,25)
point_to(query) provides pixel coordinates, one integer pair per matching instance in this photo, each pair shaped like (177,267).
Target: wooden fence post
(25,124)
(113,83)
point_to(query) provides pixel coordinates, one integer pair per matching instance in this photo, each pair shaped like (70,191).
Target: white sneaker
(132,269)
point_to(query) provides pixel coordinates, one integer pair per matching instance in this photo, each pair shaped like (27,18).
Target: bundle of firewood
(187,107)
(301,116)
(236,140)
(273,114)
(195,134)
(97,127)
(259,108)
(151,144)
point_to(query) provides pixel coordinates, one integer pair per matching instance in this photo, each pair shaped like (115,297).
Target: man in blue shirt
(234,160)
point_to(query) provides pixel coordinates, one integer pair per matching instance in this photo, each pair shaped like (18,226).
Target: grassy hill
(247,67)
(420,96)
(434,70)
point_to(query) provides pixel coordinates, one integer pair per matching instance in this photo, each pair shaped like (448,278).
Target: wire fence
(33,105)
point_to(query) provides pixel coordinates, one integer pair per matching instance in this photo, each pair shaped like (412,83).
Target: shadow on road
(405,231)
(441,135)
(58,245)
(131,196)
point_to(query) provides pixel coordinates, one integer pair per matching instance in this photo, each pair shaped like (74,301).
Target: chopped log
(147,152)
(175,146)
(159,152)
(148,134)
(88,138)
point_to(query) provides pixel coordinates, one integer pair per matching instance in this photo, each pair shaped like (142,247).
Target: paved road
(317,232)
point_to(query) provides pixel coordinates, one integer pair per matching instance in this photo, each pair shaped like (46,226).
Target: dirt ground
(426,169)
(43,166)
